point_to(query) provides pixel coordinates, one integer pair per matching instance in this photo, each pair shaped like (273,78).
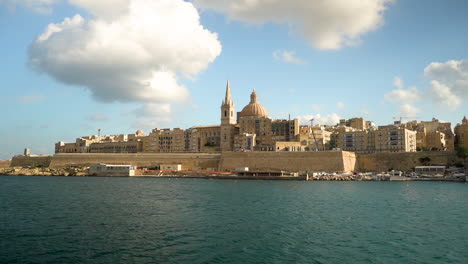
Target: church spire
(227,99)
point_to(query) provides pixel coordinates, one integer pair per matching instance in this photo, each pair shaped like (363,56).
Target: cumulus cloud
(287,56)
(150,110)
(128,50)
(406,98)
(104,9)
(408,110)
(331,119)
(444,96)
(449,82)
(410,95)
(150,116)
(38,6)
(326,24)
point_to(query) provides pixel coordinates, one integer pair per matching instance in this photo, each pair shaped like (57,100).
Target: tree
(462,153)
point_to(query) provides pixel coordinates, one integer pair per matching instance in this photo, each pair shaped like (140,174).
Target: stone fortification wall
(330,161)
(5,163)
(188,160)
(402,161)
(30,161)
(350,162)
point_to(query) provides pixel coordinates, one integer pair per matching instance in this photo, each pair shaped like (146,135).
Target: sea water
(150,220)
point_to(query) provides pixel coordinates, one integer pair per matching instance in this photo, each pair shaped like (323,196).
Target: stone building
(433,126)
(395,140)
(254,119)
(244,142)
(385,139)
(461,132)
(209,138)
(314,138)
(284,130)
(432,140)
(165,140)
(358,123)
(124,143)
(117,147)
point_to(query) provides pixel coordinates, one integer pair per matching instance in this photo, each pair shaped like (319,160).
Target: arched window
(225,113)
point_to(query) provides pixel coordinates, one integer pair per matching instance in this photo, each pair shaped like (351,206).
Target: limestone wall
(402,161)
(330,161)
(29,161)
(5,163)
(350,162)
(188,160)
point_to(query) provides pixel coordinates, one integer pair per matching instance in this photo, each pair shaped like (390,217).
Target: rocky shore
(82,171)
(16,171)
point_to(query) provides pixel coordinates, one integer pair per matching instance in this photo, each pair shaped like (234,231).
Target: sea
(160,220)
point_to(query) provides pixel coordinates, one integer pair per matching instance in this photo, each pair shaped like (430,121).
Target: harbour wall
(29,161)
(189,161)
(330,161)
(275,161)
(404,161)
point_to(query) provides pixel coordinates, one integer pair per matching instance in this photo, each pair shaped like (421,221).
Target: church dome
(254,108)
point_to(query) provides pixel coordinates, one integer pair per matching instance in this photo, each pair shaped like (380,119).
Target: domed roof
(254,108)
(139,133)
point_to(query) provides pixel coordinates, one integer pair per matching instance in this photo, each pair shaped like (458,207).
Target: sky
(70,67)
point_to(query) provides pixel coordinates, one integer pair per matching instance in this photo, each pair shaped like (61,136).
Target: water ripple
(139,220)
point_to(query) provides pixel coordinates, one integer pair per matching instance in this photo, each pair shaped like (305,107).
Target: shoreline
(70,173)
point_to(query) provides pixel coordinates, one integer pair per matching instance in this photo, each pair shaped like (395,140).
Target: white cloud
(331,119)
(449,82)
(406,98)
(287,56)
(104,9)
(408,110)
(443,95)
(410,95)
(98,117)
(398,82)
(38,6)
(128,50)
(151,110)
(150,116)
(340,105)
(326,24)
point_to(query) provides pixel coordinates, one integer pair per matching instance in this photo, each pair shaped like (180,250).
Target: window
(225,113)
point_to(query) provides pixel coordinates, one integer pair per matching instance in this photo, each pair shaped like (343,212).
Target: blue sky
(410,60)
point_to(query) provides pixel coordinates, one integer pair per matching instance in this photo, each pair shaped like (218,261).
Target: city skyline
(69,78)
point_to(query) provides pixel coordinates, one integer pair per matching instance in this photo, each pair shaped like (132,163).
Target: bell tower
(228,121)
(227,108)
